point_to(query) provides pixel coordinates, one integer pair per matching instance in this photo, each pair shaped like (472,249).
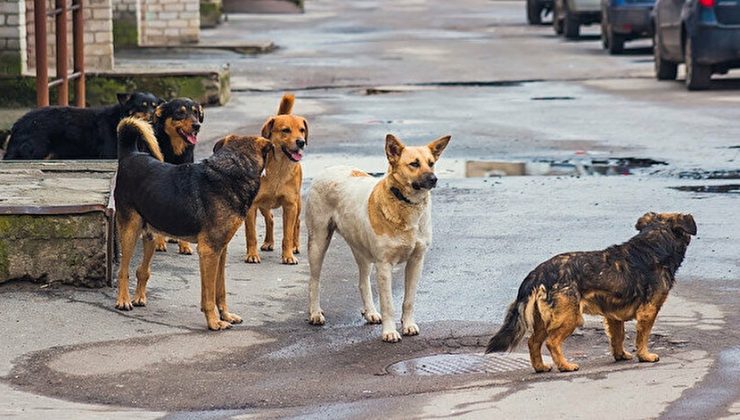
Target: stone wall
(168,22)
(12,37)
(98,37)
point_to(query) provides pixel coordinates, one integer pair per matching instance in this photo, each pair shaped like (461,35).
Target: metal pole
(78,45)
(62,52)
(42,64)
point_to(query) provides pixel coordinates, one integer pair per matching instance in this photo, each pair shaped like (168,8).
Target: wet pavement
(507,93)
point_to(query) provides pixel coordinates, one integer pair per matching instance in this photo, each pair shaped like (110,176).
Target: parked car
(536,9)
(625,20)
(702,34)
(569,15)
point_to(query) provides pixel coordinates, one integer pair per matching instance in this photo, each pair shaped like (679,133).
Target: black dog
(620,283)
(76,133)
(176,126)
(203,202)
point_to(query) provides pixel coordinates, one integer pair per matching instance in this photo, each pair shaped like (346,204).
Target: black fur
(172,112)
(75,133)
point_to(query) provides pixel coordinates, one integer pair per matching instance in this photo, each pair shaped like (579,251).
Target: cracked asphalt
(505,91)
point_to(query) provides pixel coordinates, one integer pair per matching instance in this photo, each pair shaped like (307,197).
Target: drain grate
(456,364)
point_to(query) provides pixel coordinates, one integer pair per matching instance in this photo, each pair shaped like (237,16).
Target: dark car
(625,20)
(703,34)
(537,8)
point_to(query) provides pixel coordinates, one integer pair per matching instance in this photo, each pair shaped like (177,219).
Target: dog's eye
(414,164)
(145,104)
(302,130)
(431,164)
(286,130)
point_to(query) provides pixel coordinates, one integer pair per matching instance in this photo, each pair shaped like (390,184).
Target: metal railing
(60,13)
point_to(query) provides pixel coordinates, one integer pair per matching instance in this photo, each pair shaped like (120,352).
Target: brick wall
(12,37)
(98,37)
(169,22)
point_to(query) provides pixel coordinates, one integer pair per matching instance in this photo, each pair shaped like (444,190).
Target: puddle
(571,167)
(702,174)
(457,364)
(552,98)
(714,189)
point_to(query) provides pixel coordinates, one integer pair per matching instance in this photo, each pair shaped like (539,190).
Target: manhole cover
(455,364)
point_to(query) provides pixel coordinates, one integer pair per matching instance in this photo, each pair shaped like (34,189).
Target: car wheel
(534,12)
(571,25)
(557,23)
(698,76)
(616,41)
(664,70)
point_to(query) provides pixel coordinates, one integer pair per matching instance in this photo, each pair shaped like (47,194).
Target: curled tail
(286,104)
(130,131)
(519,319)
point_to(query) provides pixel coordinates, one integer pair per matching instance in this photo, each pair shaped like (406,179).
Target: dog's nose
(300,143)
(431,180)
(196,126)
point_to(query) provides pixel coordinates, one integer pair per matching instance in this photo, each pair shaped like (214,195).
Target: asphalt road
(504,91)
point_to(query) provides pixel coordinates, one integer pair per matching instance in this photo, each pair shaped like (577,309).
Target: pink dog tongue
(191,138)
(296,155)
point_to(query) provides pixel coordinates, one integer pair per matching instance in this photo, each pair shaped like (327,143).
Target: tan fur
(359,173)
(280,187)
(148,135)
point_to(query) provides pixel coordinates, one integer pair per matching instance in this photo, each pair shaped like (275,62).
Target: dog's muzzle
(427,182)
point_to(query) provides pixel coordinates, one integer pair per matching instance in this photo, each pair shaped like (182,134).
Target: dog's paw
(267,246)
(623,356)
(290,260)
(124,304)
(184,249)
(160,245)
(568,367)
(316,318)
(231,318)
(252,259)
(411,329)
(139,301)
(372,317)
(648,357)
(391,336)
(542,369)
(219,325)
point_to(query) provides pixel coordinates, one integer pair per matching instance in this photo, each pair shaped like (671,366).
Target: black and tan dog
(75,133)
(176,126)
(621,283)
(204,203)
(281,185)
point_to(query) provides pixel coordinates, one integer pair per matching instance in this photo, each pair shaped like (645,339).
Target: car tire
(698,77)
(557,23)
(664,70)
(534,12)
(571,24)
(615,41)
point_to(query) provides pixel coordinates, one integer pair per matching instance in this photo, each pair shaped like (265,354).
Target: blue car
(703,34)
(625,20)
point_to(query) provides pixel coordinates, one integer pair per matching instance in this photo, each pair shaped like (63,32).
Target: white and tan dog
(385,223)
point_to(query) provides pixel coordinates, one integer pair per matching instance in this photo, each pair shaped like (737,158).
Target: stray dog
(75,133)
(621,283)
(385,223)
(176,126)
(281,185)
(203,202)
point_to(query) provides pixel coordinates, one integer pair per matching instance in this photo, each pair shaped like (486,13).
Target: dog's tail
(519,318)
(286,104)
(132,131)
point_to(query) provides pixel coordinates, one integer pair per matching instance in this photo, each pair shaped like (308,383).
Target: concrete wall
(12,37)
(98,37)
(168,22)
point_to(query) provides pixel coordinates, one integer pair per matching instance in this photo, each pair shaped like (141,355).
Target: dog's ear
(685,223)
(219,144)
(438,146)
(267,128)
(201,115)
(159,112)
(645,220)
(123,98)
(160,101)
(393,148)
(305,135)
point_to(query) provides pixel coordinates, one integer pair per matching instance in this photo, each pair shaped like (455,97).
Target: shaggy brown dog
(281,185)
(202,202)
(621,283)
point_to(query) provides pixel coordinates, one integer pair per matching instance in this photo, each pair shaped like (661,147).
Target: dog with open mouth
(176,126)
(385,223)
(281,183)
